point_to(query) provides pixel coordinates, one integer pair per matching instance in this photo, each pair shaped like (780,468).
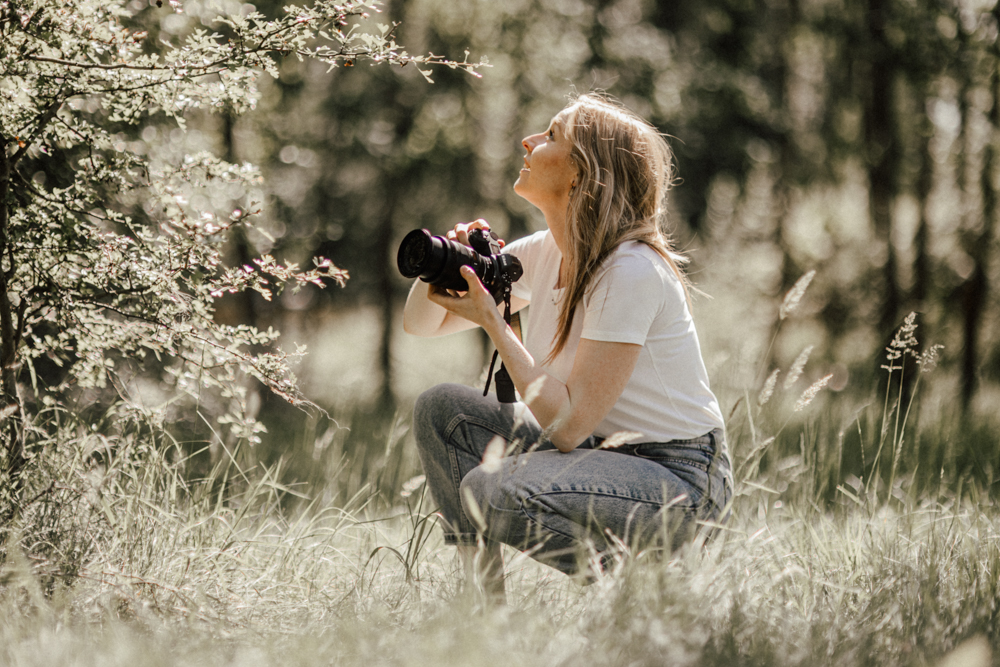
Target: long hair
(625,169)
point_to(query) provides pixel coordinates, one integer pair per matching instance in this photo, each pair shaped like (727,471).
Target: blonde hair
(625,169)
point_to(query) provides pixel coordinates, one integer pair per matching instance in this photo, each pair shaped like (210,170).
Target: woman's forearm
(423,317)
(546,397)
(569,418)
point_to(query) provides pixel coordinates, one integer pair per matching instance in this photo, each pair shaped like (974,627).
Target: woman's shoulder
(531,240)
(639,262)
(531,244)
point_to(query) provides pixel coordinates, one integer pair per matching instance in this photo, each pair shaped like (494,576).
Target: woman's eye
(552,134)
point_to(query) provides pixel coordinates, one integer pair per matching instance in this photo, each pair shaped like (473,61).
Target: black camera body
(437,260)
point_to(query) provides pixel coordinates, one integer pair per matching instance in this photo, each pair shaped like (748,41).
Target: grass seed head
(794,295)
(411,485)
(768,390)
(795,372)
(809,394)
(904,341)
(928,359)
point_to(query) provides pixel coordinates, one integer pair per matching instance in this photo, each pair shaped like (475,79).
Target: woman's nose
(530,142)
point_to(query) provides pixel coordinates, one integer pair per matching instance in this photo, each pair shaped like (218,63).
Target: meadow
(137,547)
(153,528)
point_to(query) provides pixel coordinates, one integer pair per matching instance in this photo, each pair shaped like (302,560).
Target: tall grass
(859,536)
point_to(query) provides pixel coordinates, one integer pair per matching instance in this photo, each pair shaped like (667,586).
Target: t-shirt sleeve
(528,249)
(625,300)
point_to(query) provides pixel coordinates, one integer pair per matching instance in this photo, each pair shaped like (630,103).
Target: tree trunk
(241,302)
(975,292)
(882,155)
(11,454)
(925,181)
(385,265)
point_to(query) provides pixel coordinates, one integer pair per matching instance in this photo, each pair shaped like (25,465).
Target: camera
(437,260)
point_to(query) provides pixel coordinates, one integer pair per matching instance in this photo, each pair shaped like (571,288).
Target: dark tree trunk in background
(240,305)
(882,156)
(385,266)
(782,20)
(11,454)
(925,181)
(975,292)
(394,184)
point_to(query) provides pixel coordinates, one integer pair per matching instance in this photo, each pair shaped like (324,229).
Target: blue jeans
(549,503)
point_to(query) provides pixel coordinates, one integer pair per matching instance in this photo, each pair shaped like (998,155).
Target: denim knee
(435,401)
(432,412)
(482,496)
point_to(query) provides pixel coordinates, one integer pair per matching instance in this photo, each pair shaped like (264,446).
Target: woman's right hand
(461,231)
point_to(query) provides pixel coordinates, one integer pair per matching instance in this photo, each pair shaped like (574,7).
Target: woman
(610,348)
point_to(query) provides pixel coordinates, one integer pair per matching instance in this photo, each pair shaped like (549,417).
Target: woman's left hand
(476,305)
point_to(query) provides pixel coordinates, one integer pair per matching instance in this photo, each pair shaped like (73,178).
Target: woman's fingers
(461,231)
(472,279)
(475,305)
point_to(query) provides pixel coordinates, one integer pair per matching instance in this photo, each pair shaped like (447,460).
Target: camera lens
(437,260)
(413,253)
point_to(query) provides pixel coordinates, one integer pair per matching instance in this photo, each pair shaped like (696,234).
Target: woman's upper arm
(601,370)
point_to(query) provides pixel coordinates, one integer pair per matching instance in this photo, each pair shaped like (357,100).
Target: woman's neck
(556,223)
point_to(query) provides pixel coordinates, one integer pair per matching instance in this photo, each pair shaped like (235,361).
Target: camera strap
(504,384)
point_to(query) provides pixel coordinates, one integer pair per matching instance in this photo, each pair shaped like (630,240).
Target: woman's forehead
(562,117)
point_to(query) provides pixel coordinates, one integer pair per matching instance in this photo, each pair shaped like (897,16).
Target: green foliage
(112,259)
(863,528)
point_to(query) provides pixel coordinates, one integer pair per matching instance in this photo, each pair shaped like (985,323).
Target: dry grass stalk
(791,300)
(795,372)
(493,455)
(768,390)
(620,438)
(809,394)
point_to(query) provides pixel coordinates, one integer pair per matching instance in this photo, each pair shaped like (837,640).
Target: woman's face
(548,172)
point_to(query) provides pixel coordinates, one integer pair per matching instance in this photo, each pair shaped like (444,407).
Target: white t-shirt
(634,298)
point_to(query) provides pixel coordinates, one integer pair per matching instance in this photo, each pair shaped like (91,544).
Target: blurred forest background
(856,138)
(855,143)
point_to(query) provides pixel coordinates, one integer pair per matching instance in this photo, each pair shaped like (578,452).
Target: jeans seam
(489,426)
(709,500)
(532,520)
(456,477)
(607,494)
(704,467)
(690,510)
(456,472)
